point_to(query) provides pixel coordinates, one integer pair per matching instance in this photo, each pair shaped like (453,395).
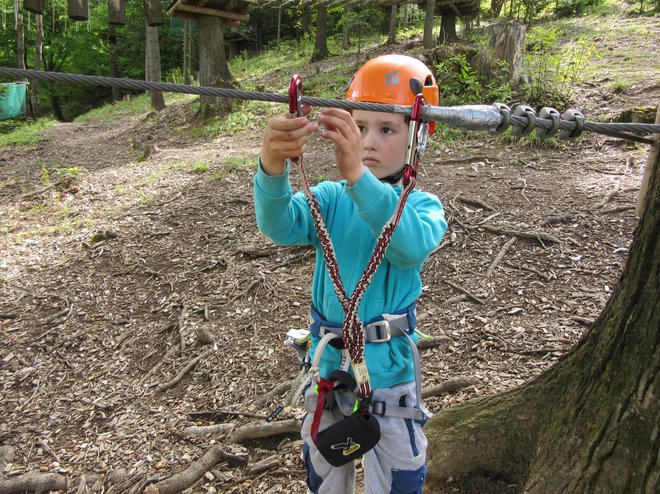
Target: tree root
(186,478)
(33,482)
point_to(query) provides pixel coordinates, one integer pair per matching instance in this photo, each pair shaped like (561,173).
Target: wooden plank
(193,9)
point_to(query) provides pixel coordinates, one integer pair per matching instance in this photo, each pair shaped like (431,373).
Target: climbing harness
(491,118)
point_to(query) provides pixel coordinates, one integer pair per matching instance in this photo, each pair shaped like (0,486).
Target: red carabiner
(295,94)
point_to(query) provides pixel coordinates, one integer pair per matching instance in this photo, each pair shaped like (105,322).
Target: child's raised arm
(341,129)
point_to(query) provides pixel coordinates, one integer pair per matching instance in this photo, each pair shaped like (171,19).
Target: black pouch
(348,439)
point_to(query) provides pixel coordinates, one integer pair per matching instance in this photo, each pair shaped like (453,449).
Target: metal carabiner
(295,96)
(412,152)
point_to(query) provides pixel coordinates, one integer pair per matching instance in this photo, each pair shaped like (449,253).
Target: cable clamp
(573,116)
(548,113)
(530,114)
(505,113)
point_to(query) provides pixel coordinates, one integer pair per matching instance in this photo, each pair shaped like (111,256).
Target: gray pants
(396,465)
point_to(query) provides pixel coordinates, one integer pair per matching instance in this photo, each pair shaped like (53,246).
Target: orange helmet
(393,79)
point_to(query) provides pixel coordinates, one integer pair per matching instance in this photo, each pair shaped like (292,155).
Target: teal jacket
(355,216)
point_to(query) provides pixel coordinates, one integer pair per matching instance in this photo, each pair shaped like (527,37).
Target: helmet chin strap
(395,178)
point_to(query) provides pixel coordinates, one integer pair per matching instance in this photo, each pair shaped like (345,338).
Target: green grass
(136,105)
(25,133)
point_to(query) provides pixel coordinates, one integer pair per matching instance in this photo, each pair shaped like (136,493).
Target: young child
(370,149)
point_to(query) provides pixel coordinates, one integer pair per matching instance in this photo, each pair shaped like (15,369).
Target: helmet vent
(415,85)
(429,81)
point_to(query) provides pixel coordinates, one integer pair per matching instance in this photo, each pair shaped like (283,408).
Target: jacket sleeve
(422,224)
(282,216)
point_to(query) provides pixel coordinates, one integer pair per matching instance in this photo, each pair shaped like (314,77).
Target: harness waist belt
(376,332)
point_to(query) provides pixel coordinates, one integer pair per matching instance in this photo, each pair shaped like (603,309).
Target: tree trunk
(279,25)
(447,28)
(307,21)
(496,7)
(391,40)
(20,36)
(321,42)
(78,10)
(187,51)
(213,68)
(153,67)
(38,50)
(653,158)
(112,60)
(346,41)
(405,15)
(590,423)
(507,41)
(427,40)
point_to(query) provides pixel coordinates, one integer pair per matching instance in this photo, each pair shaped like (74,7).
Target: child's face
(384,141)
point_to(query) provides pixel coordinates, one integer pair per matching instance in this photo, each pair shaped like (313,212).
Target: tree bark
(447,28)
(154,13)
(391,40)
(153,67)
(34,6)
(20,36)
(213,68)
(307,21)
(590,423)
(507,41)
(346,41)
(112,60)
(321,42)
(427,40)
(187,51)
(38,51)
(653,158)
(496,7)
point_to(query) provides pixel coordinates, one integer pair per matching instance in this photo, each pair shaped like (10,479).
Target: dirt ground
(112,275)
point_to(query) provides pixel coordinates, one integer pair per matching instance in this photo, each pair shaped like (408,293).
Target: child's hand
(341,129)
(284,138)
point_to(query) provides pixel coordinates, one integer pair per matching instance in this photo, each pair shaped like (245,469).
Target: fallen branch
(256,430)
(538,236)
(475,202)
(500,255)
(463,290)
(276,391)
(8,315)
(619,209)
(608,197)
(456,299)
(179,377)
(553,220)
(33,482)
(202,430)
(450,386)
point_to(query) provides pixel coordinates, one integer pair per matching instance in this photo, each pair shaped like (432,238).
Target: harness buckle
(383,331)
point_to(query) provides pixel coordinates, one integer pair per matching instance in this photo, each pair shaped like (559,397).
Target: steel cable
(468,117)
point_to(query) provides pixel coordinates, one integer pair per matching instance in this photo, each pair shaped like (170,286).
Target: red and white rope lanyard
(353,330)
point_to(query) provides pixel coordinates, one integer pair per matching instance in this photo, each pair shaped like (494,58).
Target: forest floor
(114,270)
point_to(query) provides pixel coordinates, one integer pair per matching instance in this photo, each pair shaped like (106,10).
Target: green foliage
(460,84)
(240,162)
(23,132)
(201,167)
(554,72)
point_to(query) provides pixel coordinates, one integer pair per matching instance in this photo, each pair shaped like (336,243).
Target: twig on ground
(608,197)
(553,220)
(475,202)
(538,236)
(500,255)
(463,290)
(276,391)
(526,268)
(179,377)
(202,430)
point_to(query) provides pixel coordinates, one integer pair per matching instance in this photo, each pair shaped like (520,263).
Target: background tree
(590,423)
(321,40)
(427,40)
(152,71)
